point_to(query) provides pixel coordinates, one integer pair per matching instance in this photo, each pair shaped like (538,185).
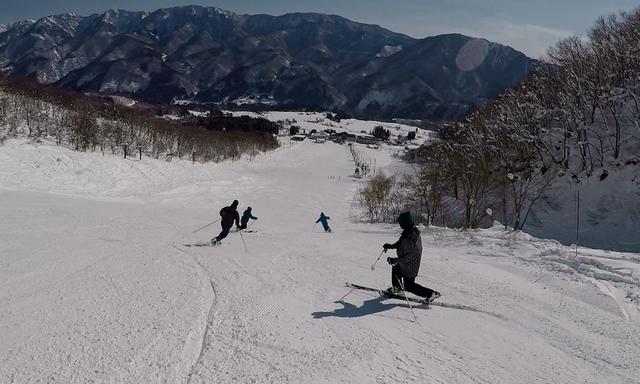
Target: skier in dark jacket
(246,216)
(324,220)
(229,216)
(406,265)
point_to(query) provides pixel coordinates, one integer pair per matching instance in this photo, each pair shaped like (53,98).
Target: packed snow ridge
(97,283)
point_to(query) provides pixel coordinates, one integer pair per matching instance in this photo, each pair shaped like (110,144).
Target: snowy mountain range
(206,54)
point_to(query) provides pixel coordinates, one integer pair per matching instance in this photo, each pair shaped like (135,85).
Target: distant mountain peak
(21,23)
(315,17)
(66,21)
(115,13)
(196,10)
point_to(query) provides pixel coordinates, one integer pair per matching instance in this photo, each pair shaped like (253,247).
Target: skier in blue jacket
(246,216)
(324,220)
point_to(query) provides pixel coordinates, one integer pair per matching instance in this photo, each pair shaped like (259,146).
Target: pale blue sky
(529,26)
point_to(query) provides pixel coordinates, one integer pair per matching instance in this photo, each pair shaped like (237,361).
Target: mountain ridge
(296,60)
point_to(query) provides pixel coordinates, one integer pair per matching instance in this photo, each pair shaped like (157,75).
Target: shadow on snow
(376,306)
(368,307)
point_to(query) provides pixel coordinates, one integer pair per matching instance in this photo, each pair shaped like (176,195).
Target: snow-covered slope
(97,284)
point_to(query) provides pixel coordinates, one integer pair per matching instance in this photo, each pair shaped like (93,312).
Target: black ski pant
(223,234)
(410,284)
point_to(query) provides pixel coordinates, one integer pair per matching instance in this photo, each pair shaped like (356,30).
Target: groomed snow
(97,285)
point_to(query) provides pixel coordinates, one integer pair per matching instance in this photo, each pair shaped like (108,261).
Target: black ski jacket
(409,250)
(229,216)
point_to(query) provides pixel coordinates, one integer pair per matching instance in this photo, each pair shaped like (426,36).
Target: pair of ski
(388,294)
(212,243)
(208,244)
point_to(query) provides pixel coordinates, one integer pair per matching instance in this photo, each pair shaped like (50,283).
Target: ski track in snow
(97,285)
(201,336)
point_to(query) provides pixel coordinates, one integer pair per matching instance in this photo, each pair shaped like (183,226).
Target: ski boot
(393,291)
(430,299)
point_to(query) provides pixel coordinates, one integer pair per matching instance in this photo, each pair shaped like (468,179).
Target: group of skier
(404,267)
(228,216)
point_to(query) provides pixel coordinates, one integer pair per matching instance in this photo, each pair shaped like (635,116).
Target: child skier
(324,220)
(229,216)
(406,265)
(246,216)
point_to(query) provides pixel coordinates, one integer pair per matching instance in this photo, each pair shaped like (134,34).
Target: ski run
(98,285)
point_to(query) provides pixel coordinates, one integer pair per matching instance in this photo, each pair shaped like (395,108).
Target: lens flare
(472,54)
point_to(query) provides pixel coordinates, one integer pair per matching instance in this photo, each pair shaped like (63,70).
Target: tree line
(86,123)
(575,117)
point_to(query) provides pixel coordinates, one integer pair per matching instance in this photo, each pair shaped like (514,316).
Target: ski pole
(348,293)
(406,298)
(373,267)
(250,224)
(213,222)
(243,242)
(314,227)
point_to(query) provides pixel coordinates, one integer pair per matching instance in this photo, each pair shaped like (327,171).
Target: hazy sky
(527,25)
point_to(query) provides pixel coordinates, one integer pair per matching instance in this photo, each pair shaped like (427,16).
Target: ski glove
(392,260)
(387,246)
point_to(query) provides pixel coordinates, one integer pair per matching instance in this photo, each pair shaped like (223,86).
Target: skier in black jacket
(406,265)
(229,216)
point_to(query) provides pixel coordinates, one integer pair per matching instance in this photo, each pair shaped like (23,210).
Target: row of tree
(577,116)
(87,123)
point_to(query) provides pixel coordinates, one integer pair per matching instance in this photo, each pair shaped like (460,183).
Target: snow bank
(608,216)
